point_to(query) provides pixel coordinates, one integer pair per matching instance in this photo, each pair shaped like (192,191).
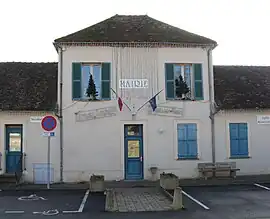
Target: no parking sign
(48,124)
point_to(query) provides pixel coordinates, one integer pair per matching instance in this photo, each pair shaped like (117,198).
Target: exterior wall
(97,146)
(34,144)
(258,163)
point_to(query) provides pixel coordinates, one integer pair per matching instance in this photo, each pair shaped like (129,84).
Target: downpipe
(212,108)
(61,113)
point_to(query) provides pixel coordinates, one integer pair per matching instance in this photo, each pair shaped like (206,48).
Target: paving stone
(141,199)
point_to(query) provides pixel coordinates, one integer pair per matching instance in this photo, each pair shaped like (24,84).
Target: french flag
(120,103)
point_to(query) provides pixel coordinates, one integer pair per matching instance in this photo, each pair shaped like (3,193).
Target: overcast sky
(241,27)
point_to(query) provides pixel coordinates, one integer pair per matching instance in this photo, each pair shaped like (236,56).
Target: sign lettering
(263,120)
(133,83)
(96,114)
(166,111)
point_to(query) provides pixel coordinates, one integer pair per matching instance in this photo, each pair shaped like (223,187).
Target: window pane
(97,78)
(133,130)
(188,75)
(14,142)
(85,79)
(177,71)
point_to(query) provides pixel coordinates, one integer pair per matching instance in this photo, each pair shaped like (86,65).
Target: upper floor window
(91,79)
(184,81)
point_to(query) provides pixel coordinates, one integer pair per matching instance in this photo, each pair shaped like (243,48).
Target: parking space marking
(14,212)
(195,200)
(84,201)
(70,212)
(261,186)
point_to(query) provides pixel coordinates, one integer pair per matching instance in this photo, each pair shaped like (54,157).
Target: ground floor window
(238,140)
(187,141)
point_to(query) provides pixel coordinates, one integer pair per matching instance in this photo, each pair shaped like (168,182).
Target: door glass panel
(14,142)
(133,130)
(133,148)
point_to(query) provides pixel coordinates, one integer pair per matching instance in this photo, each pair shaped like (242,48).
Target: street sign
(48,134)
(48,123)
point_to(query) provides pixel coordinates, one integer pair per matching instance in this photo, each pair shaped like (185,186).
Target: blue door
(133,152)
(13,148)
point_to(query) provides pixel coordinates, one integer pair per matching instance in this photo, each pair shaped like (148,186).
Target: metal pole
(48,162)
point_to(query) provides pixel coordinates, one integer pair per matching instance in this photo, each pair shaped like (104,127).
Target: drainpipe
(61,111)
(212,112)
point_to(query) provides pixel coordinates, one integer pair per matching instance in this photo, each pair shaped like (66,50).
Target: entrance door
(13,148)
(133,152)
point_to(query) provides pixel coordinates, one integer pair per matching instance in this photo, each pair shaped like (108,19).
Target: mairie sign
(133,83)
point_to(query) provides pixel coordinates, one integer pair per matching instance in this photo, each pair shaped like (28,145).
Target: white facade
(257,161)
(34,145)
(96,146)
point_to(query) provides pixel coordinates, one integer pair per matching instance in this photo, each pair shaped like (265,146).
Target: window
(101,75)
(95,71)
(187,141)
(238,140)
(183,81)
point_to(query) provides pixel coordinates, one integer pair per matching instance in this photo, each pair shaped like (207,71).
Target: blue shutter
(238,139)
(192,140)
(198,81)
(106,81)
(169,80)
(243,140)
(76,80)
(187,141)
(182,144)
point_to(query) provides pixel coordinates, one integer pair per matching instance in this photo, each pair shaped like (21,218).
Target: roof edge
(135,44)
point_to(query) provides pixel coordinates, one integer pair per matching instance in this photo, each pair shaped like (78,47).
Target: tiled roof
(33,86)
(28,86)
(134,28)
(242,87)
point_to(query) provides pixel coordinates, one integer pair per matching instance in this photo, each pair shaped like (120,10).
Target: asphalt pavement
(249,201)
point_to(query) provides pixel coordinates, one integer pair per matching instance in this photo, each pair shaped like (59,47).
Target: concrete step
(131,184)
(7,178)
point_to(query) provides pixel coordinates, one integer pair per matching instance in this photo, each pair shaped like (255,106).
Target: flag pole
(149,100)
(122,100)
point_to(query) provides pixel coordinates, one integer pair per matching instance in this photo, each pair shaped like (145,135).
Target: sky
(240,27)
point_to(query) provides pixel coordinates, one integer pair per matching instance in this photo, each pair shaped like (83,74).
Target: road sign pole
(48,162)
(48,124)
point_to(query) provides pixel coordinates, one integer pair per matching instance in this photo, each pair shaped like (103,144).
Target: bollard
(177,199)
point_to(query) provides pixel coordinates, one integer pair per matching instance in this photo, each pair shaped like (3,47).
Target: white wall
(259,141)
(34,144)
(96,146)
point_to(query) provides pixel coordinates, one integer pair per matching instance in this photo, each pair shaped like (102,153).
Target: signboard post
(48,124)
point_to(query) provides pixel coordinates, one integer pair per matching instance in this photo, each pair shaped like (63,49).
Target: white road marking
(47,213)
(69,212)
(14,212)
(195,200)
(84,201)
(261,186)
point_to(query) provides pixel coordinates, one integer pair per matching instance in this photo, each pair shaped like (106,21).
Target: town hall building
(132,93)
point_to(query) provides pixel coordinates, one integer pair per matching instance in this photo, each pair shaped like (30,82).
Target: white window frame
(176,122)
(228,142)
(91,65)
(192,93)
